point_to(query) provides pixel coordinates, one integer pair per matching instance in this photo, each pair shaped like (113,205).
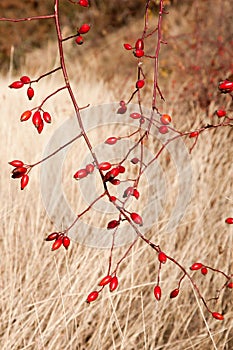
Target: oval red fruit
(163,129)
(139,53)
(128,192)
(24,181)
(127,46)
(121,169)
(25,79)
(90,168)
(221,113)
(136,219)
(112,198)
(204,271)
(80,174)
(196,266)
(218,316)
(47,117)
(18,172)
(79,40)
(25,116)
(157,292)
(52,236)
(92,296)
(16,163)
(111,140)
(113,284)
(165,119)
(162,257)
(230,285)
(112,224)
(30,92)
(139,45)
(136,193)
(174,293)
(56,245)
(83,3)
(226,86)
(105,166)
(122,110)
(66,242)
(36,119)
(193,134)
(229,221)
(107,279)
(84,28)
(135,115)
(135,160)
(16,84)
(140,84)
(40,126)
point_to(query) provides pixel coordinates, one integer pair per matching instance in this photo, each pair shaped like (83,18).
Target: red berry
(229,221)
(30,93)
(136,193)
(25,79)
(25,116)
(16,163)
(135,115)
(56,245)
(127,46)
(163,129)
(83,3)
(66,242)
(196,266)
(139,45)
(165,119)
(105,166)
(113,284)
(90,168)
(107,279)
(111,140)
(226,86)
(47,117)
(18,172)
(221,113)
(79,40)
(114,172)
(36,119)
(112,224)
(128,192)
(194,134)
(218,316)
(84,28)
(40,127)
(204,270)
(139,53)
(157,292)
(122,110)
(174,293)
(122,103)
(115,182)
(16,84)
(24,181)
(121,169)
(52,236)
(135,160)
(140,84)
(230,285)
(136,219)
(112,198)
(80,174)
(162,257)
(92,296)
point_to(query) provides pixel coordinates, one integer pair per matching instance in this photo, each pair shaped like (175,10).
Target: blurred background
(43,293)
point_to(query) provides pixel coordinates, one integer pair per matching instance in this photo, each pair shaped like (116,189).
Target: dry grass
(43,293)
